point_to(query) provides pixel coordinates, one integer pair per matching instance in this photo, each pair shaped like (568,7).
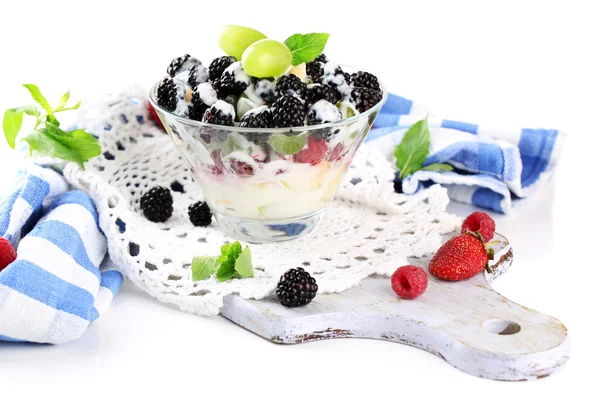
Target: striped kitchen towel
(492,166)
(62,278)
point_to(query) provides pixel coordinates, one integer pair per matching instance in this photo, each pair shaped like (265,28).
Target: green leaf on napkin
(412,151)
(243,264)
(438,167)
(306,47)
(204,267)
(47,137)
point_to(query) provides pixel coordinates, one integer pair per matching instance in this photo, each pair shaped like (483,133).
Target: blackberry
(157,204)
(316,92)
(204,96)
(365,98)
(166,94)
(290,85)
(259,117)
(335,77)
(365,80)
(200,214)
(288,111)
(220,113)
(296,288)
(321,58)
(197,74)
(315,70)
(234,80)
(264,88)
(180,64)
(218,65)
(323,112)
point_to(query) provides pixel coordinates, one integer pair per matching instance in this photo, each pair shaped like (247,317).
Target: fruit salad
(269,129)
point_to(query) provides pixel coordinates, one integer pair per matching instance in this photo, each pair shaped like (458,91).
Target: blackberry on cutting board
(218,66)
(220,113)
(296,288)
(365,80)
(365,98)
(200,214)
(180,64)
(290,85)
(166,94)
(288,111)
(157,204)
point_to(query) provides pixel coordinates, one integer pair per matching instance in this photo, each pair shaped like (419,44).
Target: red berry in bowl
(7,253)
(313,153)
(154,116)
(409,281)
(480,222)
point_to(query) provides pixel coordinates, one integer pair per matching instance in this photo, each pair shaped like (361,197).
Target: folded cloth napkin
(492,166)
(55,287)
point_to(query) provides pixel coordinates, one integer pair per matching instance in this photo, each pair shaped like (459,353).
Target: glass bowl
(268,185)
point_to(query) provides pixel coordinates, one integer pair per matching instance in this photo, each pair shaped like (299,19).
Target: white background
(524,64)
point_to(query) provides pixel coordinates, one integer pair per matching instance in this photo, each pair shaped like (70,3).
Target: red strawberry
(154,116)
(480,222)
(459,258)
(7,253)
(409,281)
(314,153)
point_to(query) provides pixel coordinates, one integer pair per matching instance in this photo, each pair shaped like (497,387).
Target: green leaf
(438,167)
(306,48)
(229,254)
(63,100)
(77,146)
(204,267)
(243,264)
(288,145)
(12,121)
(38,97)
(412,151)
(50,118)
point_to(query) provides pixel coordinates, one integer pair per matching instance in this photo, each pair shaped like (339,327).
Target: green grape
(234,39)
(266,58)
(287,144)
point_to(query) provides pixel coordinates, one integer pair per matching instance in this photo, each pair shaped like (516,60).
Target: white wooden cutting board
(466,323)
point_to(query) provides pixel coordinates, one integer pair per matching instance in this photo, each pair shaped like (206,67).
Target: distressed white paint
(452,320)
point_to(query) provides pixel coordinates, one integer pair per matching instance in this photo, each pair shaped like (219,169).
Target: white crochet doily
(368,229)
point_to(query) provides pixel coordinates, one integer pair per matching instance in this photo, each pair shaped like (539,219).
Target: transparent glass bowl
(268,185)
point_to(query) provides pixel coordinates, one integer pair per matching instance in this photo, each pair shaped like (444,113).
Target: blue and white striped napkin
(492,166)
(62,278)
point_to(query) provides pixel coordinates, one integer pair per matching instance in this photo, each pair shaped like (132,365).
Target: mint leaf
(412,151)
(63,100)
(204,267)
(288,145)
(306,48)
(227,269)
(243,264)
(77,146)
(438,167)
(12,121)
(38,97)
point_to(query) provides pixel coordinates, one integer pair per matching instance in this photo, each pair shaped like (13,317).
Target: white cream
(207,93)
(339,80)
(238,73)
(224,107)
(325,112)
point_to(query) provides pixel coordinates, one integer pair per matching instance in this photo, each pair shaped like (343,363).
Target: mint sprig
(47,137)
(413,150)
(234,262)
(306,47)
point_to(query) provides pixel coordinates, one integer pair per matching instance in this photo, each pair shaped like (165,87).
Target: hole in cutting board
(502,327)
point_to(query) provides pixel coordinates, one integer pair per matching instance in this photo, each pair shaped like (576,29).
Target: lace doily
(369,229)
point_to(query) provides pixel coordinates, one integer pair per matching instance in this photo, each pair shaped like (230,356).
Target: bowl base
(268,231)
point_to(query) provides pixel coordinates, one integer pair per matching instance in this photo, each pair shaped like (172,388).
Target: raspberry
(314,153)
(409,281)
(241,168)
(153,116)
(480,222)
(7,253)
(336,153)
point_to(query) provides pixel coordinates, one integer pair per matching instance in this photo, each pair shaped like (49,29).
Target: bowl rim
(376,108)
